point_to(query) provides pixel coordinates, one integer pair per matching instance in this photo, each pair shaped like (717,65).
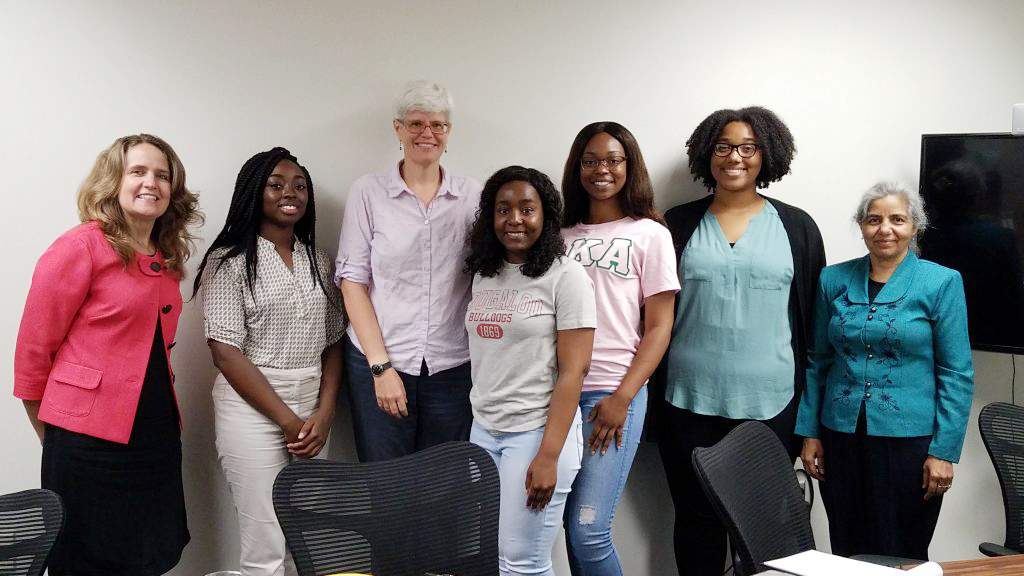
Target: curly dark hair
(245,214)
(773,137)
(637,195)
(486,251)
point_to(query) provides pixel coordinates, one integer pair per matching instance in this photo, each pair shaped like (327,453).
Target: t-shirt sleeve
(658,272)
(575,306)
(224,302)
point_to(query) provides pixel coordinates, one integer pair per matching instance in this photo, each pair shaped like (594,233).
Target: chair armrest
(990,549)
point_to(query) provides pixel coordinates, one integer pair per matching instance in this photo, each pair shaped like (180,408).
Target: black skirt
(125,503)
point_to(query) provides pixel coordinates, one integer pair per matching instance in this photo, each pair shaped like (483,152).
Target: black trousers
(873,496)
(700,539)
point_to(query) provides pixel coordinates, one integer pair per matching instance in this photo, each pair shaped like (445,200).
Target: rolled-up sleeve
(353,262)
(223,302)
(954,371)
(334,317)
(60,285)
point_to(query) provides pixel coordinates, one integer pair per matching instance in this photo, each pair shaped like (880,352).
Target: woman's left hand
(609,418)
(541,477)
(313,435)
(938,477)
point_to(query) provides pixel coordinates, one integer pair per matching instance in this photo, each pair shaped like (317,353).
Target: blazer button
(870,356)
(874,309)
(155,266)
(870,317)
(867,394)
(167,309)
(868,384)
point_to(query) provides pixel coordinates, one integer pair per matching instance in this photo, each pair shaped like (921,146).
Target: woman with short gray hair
(399,266)
(889,385)
(911,198)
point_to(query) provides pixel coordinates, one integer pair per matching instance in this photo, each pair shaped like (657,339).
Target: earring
(446,150)
(399,145)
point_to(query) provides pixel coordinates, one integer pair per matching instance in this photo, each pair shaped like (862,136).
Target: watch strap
(378,369)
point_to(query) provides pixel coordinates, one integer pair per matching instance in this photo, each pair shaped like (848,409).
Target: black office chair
(750,481)
(1002,430)
(434,511)
(30,522)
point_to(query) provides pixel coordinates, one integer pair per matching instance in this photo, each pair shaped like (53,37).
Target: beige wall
(857,82)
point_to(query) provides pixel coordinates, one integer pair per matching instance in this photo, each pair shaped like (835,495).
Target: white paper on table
(814,563)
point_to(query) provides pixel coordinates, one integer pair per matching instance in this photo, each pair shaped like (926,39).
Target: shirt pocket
(698,263)
(72,389)
(768,274)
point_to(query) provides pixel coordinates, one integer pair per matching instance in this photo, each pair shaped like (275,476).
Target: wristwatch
(378,369)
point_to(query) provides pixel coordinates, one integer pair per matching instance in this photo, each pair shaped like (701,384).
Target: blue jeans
(596,492)
(525,537)
(439,410)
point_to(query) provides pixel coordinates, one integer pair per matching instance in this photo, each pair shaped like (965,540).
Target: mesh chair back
(30,522)
(752,486)
(434,511)
(1002,430)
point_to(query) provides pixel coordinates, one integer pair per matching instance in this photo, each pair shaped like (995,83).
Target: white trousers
(252,450)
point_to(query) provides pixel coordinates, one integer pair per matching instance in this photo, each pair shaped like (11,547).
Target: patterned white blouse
(286,321)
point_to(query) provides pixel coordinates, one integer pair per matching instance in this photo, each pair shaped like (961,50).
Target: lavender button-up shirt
(411,258)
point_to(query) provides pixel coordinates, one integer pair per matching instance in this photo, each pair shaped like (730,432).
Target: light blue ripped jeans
(525,537)
(596,492)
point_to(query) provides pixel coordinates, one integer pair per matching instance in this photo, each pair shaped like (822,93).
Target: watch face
(377,369)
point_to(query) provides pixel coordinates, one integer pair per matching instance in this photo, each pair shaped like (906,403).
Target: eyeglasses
(609,163)
(418,126)
(744,150)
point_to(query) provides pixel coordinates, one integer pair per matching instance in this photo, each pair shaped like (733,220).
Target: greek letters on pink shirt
(628,260)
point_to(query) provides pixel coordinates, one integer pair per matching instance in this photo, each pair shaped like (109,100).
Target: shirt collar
(396,185)
(897,286)
(262,244)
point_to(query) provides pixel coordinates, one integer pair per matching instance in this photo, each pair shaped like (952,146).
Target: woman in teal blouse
(748,266)
(889,385)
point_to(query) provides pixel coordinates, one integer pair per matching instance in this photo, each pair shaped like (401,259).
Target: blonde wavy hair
(98,200)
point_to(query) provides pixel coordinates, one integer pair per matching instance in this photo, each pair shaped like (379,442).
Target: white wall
(858,83)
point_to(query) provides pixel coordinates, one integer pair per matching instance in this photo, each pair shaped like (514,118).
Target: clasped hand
(306,439)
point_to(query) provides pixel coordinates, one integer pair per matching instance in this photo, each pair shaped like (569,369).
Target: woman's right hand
(541,478)
(813,456)
(291,428)
(390,393)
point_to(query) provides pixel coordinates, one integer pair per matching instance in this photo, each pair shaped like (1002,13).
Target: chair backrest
(435,511)
(752,486)
(1002,430)
(30,522)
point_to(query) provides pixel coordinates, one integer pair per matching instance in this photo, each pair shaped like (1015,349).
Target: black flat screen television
(973,188)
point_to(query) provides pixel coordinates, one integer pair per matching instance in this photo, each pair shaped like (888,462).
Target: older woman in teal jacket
(889,384)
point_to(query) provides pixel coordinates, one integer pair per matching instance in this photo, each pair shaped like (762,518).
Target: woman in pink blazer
(92,363)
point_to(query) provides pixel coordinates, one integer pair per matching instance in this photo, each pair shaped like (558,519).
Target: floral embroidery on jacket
(887,354)
(890,350)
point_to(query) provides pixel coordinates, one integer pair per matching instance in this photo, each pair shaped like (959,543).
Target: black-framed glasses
(418,126)
(609,163)
(744,150)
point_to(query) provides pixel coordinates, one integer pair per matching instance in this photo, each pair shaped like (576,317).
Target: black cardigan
(808,260)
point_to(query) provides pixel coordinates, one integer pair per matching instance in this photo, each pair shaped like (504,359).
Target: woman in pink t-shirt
(612,228)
